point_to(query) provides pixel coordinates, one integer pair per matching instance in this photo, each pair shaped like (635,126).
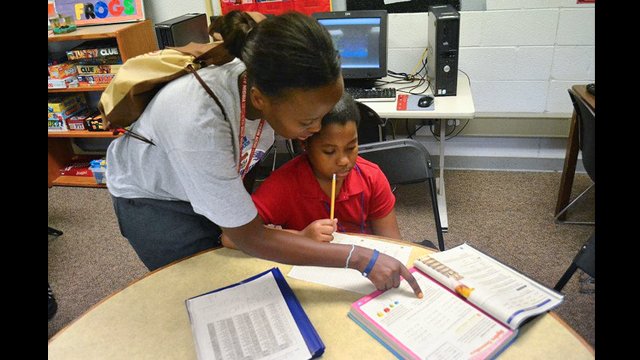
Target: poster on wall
(276,7)
(94,12)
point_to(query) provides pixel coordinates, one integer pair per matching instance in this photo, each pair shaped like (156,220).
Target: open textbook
(257,318)
(499,290)
(471,309)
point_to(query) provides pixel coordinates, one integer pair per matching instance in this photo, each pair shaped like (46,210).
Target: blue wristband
(372,262)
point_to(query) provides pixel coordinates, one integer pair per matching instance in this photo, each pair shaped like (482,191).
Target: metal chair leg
(557,220)
(565,278)
(436,212)
(54,232)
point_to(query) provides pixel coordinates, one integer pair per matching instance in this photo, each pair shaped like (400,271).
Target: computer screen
(361,39)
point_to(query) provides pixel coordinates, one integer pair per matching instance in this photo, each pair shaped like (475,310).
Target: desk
(571,155)
(445,108)
(148,319)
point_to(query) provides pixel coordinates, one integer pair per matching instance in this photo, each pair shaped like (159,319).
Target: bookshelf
(133,39)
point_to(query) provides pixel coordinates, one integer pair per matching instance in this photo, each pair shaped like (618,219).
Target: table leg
(569,169)
(442,200)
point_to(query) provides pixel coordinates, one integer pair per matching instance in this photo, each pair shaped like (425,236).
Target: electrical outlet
(453,122)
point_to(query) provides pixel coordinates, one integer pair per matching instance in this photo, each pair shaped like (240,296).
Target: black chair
(371,127)
(406,161)
(584,260)
(586,118)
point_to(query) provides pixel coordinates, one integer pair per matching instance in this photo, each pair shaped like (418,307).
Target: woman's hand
(321,230)
(386,271)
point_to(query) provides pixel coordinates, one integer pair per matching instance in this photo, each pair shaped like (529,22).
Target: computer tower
(442,51)
(182,30)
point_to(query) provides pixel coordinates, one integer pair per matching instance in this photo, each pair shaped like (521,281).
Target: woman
(172,198)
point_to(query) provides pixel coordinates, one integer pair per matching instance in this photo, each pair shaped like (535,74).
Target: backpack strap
(208,90)
(192,70)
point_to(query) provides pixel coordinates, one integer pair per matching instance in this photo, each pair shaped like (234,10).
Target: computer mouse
(425,101)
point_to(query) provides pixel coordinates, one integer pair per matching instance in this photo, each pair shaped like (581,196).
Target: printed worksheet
(350,279)
(248,321)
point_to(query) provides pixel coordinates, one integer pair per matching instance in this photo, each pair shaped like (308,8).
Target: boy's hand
(321,230)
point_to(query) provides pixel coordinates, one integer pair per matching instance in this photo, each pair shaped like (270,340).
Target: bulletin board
(94,12)
(276,7)
(401,6)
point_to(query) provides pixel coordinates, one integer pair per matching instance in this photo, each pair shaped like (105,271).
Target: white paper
(350,279)
(248,321)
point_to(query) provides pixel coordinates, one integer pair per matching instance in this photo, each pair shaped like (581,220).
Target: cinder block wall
(521,56)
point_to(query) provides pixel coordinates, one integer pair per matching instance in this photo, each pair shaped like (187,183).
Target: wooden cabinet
(133,39)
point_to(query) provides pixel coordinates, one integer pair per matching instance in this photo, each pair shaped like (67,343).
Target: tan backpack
(141,77)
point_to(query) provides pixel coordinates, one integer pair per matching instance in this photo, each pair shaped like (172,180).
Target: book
(257,318)
(472,308)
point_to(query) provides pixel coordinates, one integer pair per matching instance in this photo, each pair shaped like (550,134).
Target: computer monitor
(361,39)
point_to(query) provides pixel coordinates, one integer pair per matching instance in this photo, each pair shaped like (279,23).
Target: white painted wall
(161,10)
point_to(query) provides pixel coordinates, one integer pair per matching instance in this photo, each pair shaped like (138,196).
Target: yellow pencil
(333,196)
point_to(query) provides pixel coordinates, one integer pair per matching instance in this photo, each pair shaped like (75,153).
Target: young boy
(297,196)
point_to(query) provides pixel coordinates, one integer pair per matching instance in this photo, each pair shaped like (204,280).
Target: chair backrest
(406,161)
(371,128)
(586,118)
(403,161)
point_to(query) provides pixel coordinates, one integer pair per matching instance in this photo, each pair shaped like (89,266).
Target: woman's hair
(344,111)
(233,27)
(288,51)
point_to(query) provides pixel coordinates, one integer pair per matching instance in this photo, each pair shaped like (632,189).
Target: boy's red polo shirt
(291,197)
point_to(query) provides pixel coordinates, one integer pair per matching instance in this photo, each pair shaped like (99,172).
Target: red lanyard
(243,111)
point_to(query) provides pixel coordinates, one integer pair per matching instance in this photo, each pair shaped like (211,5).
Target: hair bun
(234,29)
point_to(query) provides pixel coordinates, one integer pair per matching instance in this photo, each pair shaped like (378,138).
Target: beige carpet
(508,215)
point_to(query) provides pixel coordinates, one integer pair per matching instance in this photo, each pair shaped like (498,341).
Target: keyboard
(372,94)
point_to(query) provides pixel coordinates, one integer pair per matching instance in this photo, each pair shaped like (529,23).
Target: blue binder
(309,334)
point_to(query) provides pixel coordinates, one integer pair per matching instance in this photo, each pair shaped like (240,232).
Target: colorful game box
(98,69)
(67,82)
(61,71)
(60,103)
(95,79)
